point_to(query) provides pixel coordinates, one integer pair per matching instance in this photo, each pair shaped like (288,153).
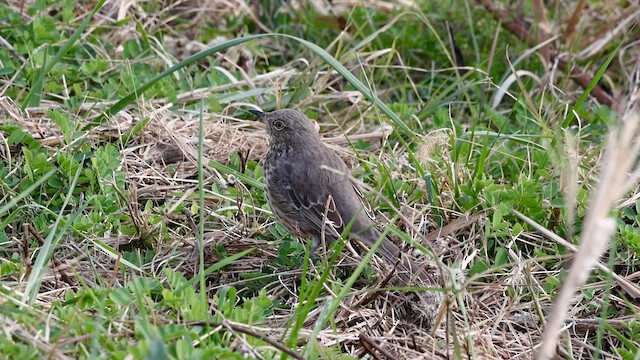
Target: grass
(132,217)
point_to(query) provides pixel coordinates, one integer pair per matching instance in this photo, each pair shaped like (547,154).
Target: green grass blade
(248,180)
(324,55)
(592,85)
(215,267)
(14,200)
(35,93)
(115,255)
(55,234)
(201,208)
(125,101)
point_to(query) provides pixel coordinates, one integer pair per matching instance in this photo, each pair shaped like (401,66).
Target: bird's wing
(365,204)
(338,199)
(327,196)
(319,208)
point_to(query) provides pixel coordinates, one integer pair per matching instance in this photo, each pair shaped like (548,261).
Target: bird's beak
(258,113)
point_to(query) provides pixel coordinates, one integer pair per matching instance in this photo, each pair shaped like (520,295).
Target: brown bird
(311,191)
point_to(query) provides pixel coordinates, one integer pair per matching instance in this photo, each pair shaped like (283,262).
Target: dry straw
(616,178)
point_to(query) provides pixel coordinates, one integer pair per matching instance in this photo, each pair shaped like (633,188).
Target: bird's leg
(315,244)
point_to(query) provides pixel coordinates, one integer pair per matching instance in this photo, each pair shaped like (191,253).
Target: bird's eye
(278,125)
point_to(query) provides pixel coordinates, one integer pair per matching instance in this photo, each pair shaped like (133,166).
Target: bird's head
(288,126)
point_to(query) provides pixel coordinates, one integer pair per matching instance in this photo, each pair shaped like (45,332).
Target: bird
(310,190)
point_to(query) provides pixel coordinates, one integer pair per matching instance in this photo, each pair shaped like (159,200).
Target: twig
(4,43)
(376,292)
(25,247)
(457,224)
(54,261)
(519,30)
(573,20)
(631,288)
(196,233)
(371,347)
(245,330)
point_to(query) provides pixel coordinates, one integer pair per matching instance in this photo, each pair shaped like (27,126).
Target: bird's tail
(427,306)
(407,269)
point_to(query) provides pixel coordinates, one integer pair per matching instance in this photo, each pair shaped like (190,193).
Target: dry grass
(491,320)
(161,163)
